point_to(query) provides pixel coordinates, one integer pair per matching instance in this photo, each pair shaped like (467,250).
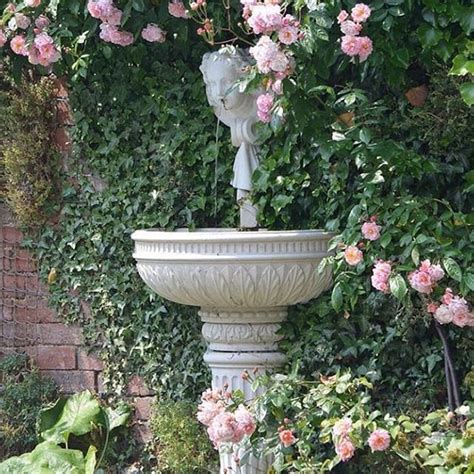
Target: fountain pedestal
(243,282)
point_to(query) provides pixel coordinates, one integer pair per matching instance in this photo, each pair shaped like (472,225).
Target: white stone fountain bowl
(228,269)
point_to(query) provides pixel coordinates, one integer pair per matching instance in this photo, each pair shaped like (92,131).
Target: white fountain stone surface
(242,281)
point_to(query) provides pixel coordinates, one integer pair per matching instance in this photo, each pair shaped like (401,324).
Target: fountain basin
(233,270)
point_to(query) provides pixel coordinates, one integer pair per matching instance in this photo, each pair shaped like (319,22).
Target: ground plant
(74,436)
(24,392)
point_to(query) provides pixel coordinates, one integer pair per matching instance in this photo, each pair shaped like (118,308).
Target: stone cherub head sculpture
(238,110)
(221,71)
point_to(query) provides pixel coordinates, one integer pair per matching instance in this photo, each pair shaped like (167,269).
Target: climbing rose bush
(314,425)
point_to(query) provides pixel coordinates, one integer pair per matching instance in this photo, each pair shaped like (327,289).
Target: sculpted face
(220,75)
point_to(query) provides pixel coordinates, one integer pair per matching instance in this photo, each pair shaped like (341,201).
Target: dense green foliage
(149,142)
(28,156)
(24,393)
(181,446)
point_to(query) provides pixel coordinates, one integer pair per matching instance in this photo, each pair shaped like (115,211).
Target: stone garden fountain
(243,281)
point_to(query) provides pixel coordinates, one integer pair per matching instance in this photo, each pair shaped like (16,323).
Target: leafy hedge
(145,157)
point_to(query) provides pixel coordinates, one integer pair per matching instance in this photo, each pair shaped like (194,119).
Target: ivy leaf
(398,287)
(467,92)
(462,66)
(428,36)
(336,297)
(452,269)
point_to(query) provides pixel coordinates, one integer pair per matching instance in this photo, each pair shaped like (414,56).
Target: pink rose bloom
(380,275)
(177,9)
(288,35)
(32,3)
(371,231)
(268,56)
(245,420)
(43,50)
(18,45)
(460,311)
(277,87)
(208,410)
(105,11)
(342,427)
(365,48)
(448,296)
(153,33)
(345,449)
(287,438)
(210,394)
(343,16)
(42,22)
(264,106)
(10,8)
(432,307)
(350,45)
(3,38)
(360,12)
(22,21)
(289,20)
(421,281)
(352,255)
(111,34)
(265,19)
(436,272)
(379,440)
(443,314)
(225,429)
(350,28)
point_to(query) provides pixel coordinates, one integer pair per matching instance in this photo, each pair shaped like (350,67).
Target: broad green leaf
(90,461)
(76,417)
(398,287)
(469,279)
(336,297)
(113,418)
(467,92)
(462,66)
(452,269)
(428,35)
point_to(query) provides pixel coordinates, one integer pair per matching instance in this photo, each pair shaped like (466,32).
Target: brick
(6,312)
(72,381)
(25,262)
(142,432)
(9,281)
(88,362)
(56,357)
(32,283)
(44,313)
(12,235)
(136,386)
(143,407)
(59,334)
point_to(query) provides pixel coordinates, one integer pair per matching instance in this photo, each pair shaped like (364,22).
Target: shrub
(27,151)
(181,444)
(23,395)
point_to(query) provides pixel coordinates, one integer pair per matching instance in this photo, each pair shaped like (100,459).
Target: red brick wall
(28,325)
